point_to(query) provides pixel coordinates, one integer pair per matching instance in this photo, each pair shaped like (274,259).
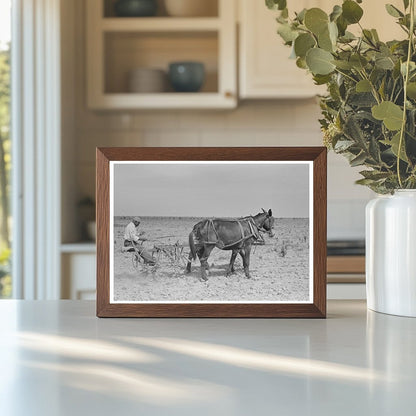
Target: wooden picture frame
(288,157)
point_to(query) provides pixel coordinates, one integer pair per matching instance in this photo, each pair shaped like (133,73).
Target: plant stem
(373,88)
(406,80)
(346,75)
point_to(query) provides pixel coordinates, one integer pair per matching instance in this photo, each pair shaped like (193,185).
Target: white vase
(391,253)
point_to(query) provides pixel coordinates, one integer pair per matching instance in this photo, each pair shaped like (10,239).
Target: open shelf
(160,24)
(211,9)
(119,45)
(168,100)
(127,51)
(85,247)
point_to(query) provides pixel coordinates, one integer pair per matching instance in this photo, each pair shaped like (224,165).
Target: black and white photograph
(192,232)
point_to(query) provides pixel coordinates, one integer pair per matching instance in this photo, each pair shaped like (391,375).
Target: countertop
(57,358)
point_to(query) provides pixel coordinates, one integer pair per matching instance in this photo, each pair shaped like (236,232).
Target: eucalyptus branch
(373,88)
(406,80)
(404,28)
(392,91)
(346,75)
(398,95)
(363,60)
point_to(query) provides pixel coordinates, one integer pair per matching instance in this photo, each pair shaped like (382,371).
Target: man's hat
(137,219)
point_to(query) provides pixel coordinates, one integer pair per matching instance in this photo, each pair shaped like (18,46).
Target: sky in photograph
(211,190)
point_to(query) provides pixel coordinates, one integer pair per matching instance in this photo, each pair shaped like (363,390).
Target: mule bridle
(261,226)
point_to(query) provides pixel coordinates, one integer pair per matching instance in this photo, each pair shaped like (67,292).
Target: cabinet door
(78,276)
(265,68)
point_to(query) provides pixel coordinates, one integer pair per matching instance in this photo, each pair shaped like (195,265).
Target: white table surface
(57,358)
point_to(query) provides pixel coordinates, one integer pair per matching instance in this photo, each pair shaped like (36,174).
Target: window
(5,147)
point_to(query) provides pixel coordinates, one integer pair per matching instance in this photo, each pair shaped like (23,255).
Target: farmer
(133,240)
(131,234)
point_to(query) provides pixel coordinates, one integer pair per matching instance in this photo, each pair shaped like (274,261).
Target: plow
(161,253)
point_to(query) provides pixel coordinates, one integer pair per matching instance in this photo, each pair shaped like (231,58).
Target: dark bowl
(135,8)
(187,76)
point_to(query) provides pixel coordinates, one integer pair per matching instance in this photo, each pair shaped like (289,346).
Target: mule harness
(251,225)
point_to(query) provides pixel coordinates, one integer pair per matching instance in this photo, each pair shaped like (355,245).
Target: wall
(254,123)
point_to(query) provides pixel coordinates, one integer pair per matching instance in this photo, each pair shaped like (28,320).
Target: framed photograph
(211,232)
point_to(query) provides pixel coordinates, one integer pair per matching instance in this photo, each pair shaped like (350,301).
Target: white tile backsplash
(258,123)
(173,138)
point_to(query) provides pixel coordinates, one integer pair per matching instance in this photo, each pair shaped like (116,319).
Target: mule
(237,235)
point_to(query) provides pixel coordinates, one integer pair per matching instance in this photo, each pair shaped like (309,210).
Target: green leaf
(358,160)
(368,36)
(374,150)
(363,86)
(301,15)
(303,43)
(365,182)
(388,112)
(282,20)
(358,61)
(394,145)
(382,89)
(374,174)
(343,145)
(319,61)
(393,11)
(292,52)
(287,33)
(406,4)
(345,65)
(384,62)
(347,37)
(301,63)
(325,42)
(336,12)
(405,21)
(411,90)
(342,25)
(333,32)
(321,79)
(362,99)
(316,20)
(377,75)
(351,11)
(375,35)
(412,67)
(354,132)
(396,70)
(276,4)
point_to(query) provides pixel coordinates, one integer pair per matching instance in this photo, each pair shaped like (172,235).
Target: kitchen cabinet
(118,45)
(265,70)
(346,278)
(78,262)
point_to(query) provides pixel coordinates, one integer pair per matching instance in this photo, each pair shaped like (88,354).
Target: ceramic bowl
(147,80)
(191,8)
(135,8)
(186,76)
